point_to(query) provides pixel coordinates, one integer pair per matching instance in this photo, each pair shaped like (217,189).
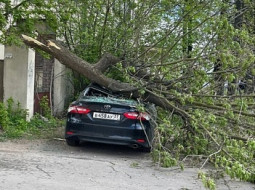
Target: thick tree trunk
(92,72)
(95,73)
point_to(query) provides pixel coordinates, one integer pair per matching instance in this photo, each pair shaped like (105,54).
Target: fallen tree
(193,59)
(210,128)
(95,73)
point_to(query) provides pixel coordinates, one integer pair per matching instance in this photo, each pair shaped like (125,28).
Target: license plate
(106,116)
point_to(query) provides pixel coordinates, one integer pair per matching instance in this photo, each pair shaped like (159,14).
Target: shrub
(14,123)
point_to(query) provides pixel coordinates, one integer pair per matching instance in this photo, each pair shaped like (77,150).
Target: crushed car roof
(110,100)
(105,96)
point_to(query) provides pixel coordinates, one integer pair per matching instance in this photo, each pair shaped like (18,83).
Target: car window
(96,92)
(93,94)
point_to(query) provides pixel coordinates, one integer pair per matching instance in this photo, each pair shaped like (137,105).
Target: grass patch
(14,123)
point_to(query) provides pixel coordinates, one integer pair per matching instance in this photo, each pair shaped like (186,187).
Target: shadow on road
(95,149)
(110,149)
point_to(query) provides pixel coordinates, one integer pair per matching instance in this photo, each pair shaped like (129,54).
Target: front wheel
(72,142)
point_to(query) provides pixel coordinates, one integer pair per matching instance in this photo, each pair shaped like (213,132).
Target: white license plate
(106,116)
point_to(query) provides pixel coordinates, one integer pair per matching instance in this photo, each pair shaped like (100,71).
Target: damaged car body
(99,115)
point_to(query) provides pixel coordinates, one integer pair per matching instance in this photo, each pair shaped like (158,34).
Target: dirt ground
(51,164)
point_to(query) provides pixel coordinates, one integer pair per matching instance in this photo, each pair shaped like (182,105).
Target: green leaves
(4,119)
(193,53)
(207,181)
(14,124)
(13,119)
(22,17)
(164,158)
(242,167)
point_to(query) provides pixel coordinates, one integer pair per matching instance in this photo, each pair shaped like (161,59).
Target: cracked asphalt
(51,164)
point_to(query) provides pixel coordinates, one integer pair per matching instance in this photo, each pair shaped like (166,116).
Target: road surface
(51,164)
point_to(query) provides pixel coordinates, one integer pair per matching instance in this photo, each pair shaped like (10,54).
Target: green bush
(14,123)
(46,111)
(4,118)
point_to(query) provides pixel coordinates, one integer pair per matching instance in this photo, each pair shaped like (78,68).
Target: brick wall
(43,67)
(43,72)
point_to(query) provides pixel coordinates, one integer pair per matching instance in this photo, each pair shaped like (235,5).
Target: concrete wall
(19,67)
(1,52)
(59,88)
(30,82)
(1,80)
(63,88)
(19,79)
(1,72)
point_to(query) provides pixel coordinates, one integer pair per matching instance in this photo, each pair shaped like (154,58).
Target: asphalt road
(51,164)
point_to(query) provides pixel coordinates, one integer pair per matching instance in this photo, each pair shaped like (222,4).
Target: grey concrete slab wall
(59,87)
(1,80)
(30,82)
(19,76)
(1,72)
(1,52)
(63,87)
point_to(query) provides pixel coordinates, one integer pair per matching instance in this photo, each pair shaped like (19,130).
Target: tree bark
(95,73)
(92,72)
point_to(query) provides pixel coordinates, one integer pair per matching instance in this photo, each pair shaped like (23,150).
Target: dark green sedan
(101,116)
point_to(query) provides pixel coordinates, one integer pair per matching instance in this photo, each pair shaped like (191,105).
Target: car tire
(72,142)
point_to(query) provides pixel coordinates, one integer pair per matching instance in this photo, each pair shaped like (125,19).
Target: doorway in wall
(43,74)
(1,80)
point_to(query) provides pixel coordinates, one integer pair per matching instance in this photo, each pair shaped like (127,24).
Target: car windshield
(109,100)
(93,94)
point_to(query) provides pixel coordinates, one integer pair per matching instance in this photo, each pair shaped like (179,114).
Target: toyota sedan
(98,115)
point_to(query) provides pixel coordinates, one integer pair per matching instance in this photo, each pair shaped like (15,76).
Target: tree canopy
(193,59)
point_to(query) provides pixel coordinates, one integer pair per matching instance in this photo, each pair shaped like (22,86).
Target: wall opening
(43,80)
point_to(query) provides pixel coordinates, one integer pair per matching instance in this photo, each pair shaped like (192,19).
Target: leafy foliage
(46,111)
(14,122)
(207,181)
(197,55)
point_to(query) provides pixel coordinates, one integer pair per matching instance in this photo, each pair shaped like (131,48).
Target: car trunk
(106,119)
(105,112)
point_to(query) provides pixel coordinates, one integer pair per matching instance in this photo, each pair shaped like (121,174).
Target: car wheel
(72,142)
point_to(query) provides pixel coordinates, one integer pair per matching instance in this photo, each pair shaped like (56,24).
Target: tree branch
(74,62)
(94,74)
(105,62)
